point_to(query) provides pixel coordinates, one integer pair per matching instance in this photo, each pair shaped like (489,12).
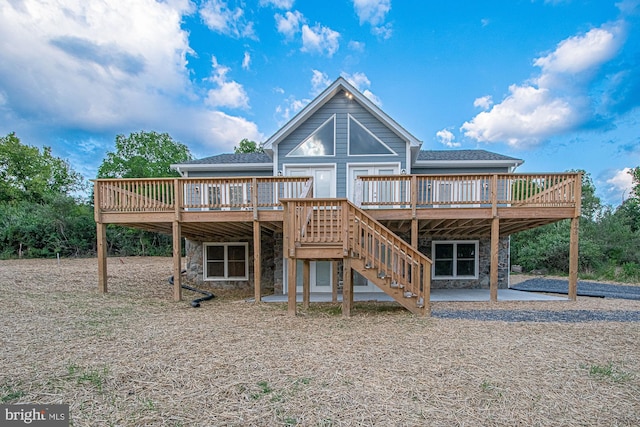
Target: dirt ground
(133,357)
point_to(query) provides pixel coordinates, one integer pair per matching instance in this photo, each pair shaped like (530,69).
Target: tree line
(41,214)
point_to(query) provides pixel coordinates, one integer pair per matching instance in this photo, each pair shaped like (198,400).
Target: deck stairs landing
(330,229)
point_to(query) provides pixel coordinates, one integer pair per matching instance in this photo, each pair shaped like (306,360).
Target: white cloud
(373,12)
(620,183)
(246,61)
(280,4)
(112,69)
(356,46)
(319,82)
(289,24)
(228,93)
(217,15)
(362,83)
(289,109)
(320,39)
(556,101)
(483,102)
(581,53)
(446,138)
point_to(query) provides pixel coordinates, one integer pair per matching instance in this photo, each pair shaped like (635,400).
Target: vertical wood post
(257,262)
(495,249)
(177,261)
(334,281)
(306,283)
(101,231)
(347,287)
(426,290)
(291,285)
(573,259)
(414,233)
(574,239)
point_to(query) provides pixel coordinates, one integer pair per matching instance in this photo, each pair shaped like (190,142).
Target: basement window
(226,261)
(455,259)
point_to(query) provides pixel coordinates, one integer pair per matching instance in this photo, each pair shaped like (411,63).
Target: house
(344,198)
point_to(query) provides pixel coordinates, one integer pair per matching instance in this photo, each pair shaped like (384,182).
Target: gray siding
(448,171)
(341,106)
(236,172)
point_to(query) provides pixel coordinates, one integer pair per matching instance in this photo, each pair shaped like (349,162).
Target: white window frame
(334,118)
(349,118)
(226,262)
(455,259)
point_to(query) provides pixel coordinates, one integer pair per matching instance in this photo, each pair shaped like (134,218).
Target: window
(320,143)
(226,261)
(362,142)
(455,260)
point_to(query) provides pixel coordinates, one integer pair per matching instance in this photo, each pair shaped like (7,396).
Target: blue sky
(556,83)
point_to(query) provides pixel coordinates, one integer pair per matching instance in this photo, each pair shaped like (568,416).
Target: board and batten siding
(342,107)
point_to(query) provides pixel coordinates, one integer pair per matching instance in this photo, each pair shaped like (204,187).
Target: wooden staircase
(330,229)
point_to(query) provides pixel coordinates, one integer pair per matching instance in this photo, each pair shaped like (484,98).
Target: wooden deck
(440,206)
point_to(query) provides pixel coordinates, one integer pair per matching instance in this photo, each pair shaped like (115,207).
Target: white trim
(455,243)
(226,277)
(349,118)
(333,117)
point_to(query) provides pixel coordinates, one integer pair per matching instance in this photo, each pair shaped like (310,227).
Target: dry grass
(133,357)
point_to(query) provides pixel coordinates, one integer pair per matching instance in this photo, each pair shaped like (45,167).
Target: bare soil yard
(133,357)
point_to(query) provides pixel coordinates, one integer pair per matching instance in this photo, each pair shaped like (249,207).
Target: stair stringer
(397,294)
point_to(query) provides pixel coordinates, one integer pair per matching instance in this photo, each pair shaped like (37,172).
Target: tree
(144,155)
(28,174)
(635,176)
(248,146)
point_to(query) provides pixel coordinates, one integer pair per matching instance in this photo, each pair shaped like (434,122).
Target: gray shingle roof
(231,158)
(458,155)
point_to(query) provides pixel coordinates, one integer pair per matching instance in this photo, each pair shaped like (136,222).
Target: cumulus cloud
(319,82)
(356,46)
(620,183)
(227,93)
(290,107)
(217,15)
(320,39)
(374,12)
(483,102)
(88,70)
(289,24)
(362,83)
(556,101)
(280,4)
(446,138)
(246,61)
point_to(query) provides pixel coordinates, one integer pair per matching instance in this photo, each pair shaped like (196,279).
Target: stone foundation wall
(484,268)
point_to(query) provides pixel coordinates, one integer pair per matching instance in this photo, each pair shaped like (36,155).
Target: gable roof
(335,88)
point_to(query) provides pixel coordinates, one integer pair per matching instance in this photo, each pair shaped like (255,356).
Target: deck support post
(414,233)
(101,230)
(257,262)
(306,283)
(291,285)
(347,287)
(334,281)
(177,261)
(495,250)
(573,259)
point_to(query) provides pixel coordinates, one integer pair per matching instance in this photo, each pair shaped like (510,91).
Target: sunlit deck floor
(468,295)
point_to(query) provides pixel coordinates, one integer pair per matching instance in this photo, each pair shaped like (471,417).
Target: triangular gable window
(319,143)
(362,142)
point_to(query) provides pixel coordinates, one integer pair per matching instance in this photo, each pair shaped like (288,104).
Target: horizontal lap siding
(342,107)
(457,171)
(234,172)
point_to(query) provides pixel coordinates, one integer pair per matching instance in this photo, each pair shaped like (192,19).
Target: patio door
(324,186)
(373,191)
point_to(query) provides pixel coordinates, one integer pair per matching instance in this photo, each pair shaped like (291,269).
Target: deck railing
(473,190)
(371,192)
(157,195)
